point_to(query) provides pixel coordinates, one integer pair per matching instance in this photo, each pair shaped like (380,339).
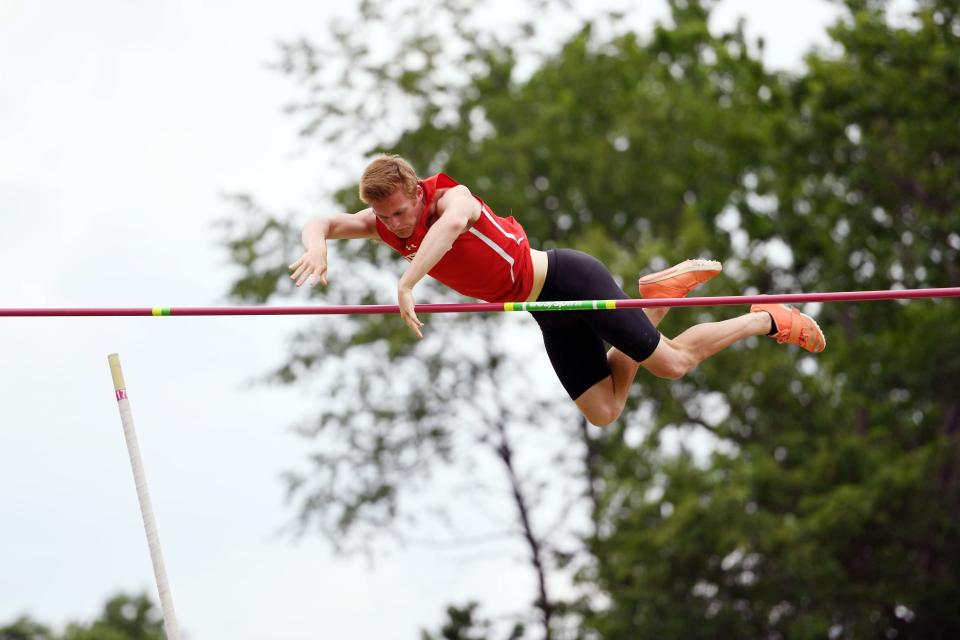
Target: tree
(832,508)
(124,617)
(462,625)
(24,628)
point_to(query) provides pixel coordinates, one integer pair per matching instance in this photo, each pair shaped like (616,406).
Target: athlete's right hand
(311,267)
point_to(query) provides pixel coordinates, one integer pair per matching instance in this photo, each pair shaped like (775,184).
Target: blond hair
(384,175)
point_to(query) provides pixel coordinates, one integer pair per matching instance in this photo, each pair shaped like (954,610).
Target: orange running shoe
(794,327)
(679,280)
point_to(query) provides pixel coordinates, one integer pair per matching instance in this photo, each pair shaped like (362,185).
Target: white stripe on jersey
(492,219)
(493,245)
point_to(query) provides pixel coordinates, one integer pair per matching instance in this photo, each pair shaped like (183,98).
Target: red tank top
(489,261)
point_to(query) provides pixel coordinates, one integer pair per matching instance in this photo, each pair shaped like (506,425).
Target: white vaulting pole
(146,508)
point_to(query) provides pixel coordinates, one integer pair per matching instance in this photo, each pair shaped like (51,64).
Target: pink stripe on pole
(490,307)
(121,394)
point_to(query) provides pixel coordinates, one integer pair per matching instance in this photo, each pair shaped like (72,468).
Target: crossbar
(492,307)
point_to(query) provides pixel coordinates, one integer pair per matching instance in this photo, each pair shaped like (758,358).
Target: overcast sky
(121,124)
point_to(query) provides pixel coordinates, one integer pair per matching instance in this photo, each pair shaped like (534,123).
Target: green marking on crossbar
(560,305)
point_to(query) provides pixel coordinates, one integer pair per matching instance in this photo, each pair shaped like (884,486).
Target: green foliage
(25,629)
(124,617)
(836,512)
(462,624)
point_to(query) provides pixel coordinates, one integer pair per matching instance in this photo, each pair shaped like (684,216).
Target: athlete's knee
(679,367)
(671,363)
(600,411)
(603,415)
(673,372)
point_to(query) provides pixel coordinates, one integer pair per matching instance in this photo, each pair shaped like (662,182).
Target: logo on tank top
(410,247)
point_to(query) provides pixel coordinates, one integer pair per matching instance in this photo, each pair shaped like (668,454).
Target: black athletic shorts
(575,339)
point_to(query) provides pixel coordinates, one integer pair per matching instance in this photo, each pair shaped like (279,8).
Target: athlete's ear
(419,191)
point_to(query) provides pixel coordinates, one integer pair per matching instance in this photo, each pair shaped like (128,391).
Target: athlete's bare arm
(457,210)
(316,232)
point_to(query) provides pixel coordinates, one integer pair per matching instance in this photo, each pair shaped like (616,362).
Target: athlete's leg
(596,380)
(656,315)
(576,349)
(674,358)
(603,403)
(635,339)
(583,368)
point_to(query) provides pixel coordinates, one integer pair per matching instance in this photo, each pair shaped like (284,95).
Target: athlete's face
(398,212)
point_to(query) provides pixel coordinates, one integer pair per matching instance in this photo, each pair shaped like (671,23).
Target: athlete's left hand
(407,310)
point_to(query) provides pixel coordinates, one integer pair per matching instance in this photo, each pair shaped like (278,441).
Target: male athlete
(446,231)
